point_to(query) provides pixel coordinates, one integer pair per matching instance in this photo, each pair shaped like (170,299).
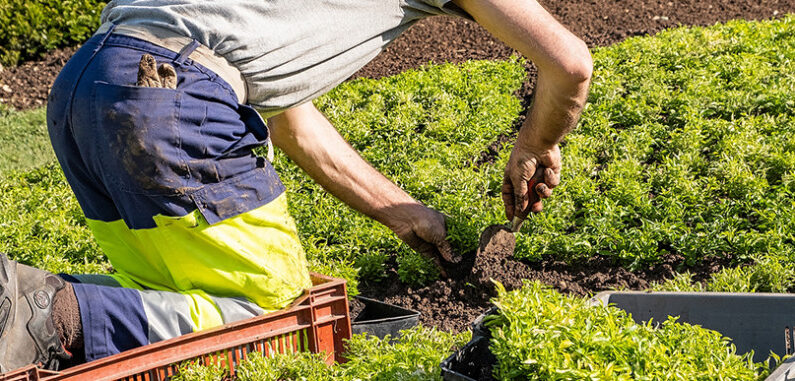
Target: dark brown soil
(597,22)
(27,85)
(451,304)
(355,307)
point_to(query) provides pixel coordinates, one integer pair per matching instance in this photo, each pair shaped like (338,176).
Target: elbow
(571,77)
(577,68)
(571,66)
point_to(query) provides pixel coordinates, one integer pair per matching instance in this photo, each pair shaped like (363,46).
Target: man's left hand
(424,230)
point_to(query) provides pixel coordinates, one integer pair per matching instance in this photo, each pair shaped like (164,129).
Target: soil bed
(597,22)
(453,303)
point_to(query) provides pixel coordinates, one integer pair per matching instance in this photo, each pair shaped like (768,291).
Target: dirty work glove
(149,75)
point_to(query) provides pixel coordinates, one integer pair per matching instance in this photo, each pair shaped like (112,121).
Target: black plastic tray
(381,319)
(474,361)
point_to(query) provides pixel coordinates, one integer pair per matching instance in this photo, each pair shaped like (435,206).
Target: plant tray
(754,321)
(381,319)
(318,321)
(474,361)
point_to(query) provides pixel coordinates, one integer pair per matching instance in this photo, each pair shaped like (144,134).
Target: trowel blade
(496,239)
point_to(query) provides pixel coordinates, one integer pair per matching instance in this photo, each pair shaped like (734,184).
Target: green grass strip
(24,143)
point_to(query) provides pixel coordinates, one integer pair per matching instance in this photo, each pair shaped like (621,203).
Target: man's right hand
(523,164)
(310,140)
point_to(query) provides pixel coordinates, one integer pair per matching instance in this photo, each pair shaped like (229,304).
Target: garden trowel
(498,239)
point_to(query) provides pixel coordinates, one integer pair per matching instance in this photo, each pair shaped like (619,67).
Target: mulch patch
(26,86)
(597,22)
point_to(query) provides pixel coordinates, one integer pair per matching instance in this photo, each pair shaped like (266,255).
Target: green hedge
(28,28)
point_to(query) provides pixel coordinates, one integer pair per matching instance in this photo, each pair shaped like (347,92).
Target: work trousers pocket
(137,139)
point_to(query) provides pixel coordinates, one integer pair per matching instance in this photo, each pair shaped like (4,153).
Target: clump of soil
(453,303)
(355,307)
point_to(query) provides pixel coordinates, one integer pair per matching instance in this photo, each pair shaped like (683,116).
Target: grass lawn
(24,144)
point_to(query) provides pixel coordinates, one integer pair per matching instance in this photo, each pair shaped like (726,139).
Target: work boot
(27,332)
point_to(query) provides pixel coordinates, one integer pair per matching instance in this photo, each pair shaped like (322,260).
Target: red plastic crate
(318,321)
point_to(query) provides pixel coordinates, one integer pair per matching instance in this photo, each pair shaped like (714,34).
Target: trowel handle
(516,224)
(517,221)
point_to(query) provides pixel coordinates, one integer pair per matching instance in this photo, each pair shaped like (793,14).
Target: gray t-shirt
(288,51)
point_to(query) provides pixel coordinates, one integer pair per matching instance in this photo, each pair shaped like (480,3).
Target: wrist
(398,213)
(530,139)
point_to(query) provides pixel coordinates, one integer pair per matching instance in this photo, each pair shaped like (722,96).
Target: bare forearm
(564,72)
(552,115)
(563,61)
(310,140)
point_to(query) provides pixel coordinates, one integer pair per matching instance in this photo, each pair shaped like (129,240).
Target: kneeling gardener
(154,121)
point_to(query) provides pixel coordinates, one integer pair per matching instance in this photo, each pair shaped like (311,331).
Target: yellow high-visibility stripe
(256,255)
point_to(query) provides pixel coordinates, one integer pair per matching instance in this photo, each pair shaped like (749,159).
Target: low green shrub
(416,270)
(30,28)
(41,223)
(414,356)
(371,265)
(294,366)
(197,371)
(540,334)
(767,275)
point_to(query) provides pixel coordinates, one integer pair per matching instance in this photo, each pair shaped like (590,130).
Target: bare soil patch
(453,303)
(597,22)
(27,86)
